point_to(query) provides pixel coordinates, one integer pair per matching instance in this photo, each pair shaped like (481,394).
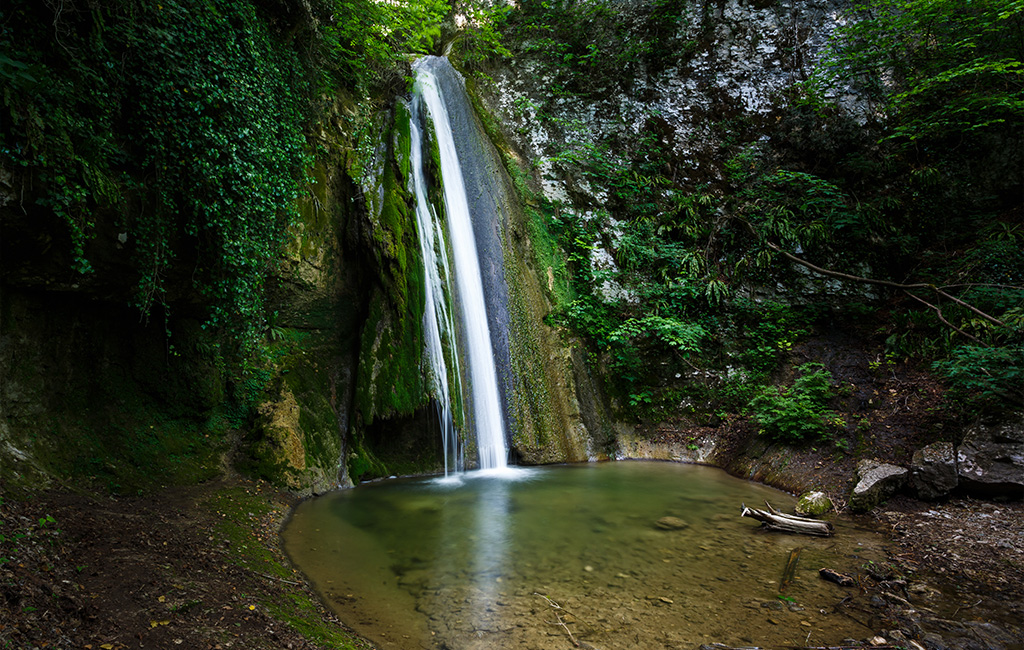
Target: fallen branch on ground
(775,520)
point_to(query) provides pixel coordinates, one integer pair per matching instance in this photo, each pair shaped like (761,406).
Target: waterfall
(483,397)
(437,318)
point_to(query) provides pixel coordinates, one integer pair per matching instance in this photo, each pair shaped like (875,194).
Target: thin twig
(966,607)
(558,617)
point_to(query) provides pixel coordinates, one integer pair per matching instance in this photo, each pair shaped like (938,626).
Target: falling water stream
(485,401)
(438,325)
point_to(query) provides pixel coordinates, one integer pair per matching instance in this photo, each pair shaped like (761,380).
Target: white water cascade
(483,397)
(437,318)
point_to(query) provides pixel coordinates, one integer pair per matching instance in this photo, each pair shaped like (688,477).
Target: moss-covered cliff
(188,260)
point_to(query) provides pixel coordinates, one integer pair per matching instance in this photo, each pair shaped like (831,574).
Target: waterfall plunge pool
(482,561)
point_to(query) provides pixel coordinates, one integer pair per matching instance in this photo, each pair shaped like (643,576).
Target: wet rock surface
(670,523)
(813,503)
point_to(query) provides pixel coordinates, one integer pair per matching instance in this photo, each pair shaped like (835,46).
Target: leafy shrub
(986,378)
(798,412)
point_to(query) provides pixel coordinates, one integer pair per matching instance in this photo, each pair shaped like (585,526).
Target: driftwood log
(775,520)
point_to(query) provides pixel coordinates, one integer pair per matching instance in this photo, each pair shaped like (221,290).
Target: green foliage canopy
(938,68)
(186,122)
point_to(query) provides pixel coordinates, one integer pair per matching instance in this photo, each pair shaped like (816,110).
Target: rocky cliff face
(726,74)
(78,366)
(734,63)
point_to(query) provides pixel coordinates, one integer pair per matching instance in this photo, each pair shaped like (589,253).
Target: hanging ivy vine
(188,116)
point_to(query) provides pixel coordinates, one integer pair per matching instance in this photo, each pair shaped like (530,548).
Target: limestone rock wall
(739,61)
(746,54)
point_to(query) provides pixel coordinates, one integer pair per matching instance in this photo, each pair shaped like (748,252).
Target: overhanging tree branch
(906,288)
(942,319)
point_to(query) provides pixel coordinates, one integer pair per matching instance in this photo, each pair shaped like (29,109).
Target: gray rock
(813,503)
(876,483)
(933,471)
(990,460)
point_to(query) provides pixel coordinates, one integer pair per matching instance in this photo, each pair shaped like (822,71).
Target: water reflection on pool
(487,561)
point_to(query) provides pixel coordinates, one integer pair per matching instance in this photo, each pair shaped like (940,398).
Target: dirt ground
(159,571)
(975,547)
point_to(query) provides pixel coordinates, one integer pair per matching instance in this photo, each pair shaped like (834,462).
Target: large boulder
(876,483)
(990,460)
(933,471)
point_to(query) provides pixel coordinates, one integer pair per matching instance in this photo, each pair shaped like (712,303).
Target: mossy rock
(813,504)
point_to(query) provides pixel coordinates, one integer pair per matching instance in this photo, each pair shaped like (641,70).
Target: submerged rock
(877,482)
(933,473)
(671,523)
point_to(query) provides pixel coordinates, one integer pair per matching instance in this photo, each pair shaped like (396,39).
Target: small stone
(897,636)
(878,640)
(671,523)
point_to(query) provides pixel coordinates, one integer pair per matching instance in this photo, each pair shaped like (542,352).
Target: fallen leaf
(162,598)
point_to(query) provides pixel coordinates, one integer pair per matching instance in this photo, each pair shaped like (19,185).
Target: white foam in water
(505,473)
(452,480)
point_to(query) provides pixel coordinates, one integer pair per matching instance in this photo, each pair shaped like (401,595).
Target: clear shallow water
(467,564)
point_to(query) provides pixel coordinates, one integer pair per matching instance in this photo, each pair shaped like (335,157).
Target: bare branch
(985,285)
(558,608)
(991,319)
(886,283)
(938,314)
